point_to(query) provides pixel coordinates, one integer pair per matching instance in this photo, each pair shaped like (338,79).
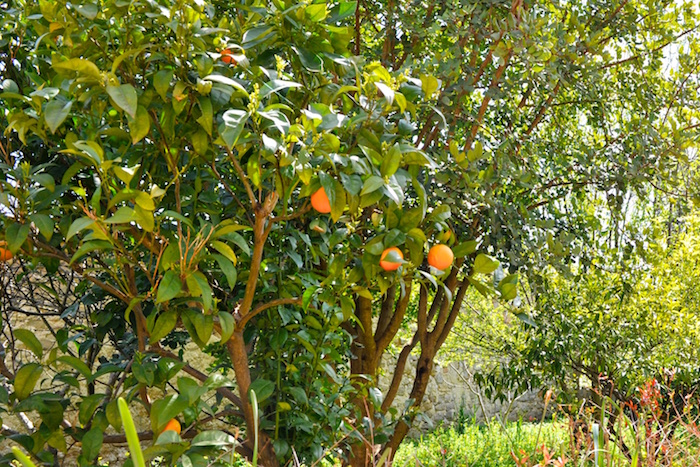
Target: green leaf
(77,364)
(15,235)
(124,215)
(144,217)
(465,248)
(203,285)
(317,12)
(44,224)
(228,269)
(228,325)
(169,287)
(88,406)
(263,388)
(227,81)
(199,326)
(206,120)
(112,413)
(391,161)
(92,443)
(387,92)
(508,286)
(164,410)
(26,378)
(45,180)
(140,125)
(161,81)
(309,60)
(56,113)
(78,225)
(125,98)
(484,264)
(80,65)
(132,436)
(213,438)
(338,200)
(441,213)
(87,247)
(163,325)
(22,457)
(475,153)
(429,84)
(29,339)
(276,85)
(225,250)
(373,183)
(257,35)
(200,142)
(190,389)
(88,10)
(91,149)
(233,123)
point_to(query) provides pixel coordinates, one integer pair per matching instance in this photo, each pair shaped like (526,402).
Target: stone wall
(451,388)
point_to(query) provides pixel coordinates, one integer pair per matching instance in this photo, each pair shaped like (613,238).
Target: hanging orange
(5,254)
(440,257)
(227,56)
(172,425)
(390,265)
(320,201)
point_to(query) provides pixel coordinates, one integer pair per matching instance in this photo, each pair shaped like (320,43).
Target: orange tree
(163,155)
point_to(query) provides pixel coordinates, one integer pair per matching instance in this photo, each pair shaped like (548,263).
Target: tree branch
(260,308)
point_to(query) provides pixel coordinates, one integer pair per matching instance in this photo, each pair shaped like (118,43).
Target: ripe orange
(173,425)
(5,254)
(227,56)
(440,257)
(390,265)
(320,201)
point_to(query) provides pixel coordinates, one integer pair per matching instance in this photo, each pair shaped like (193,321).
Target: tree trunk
(239,359)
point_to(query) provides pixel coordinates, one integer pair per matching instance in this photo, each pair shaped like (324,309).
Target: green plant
(169,183)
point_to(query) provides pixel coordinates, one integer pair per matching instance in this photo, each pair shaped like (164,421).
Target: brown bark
(236,345)
(239,358)
(430,345)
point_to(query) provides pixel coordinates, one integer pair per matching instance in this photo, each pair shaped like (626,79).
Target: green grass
(485,446)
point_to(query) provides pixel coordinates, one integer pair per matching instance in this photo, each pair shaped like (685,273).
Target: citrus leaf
(26,378)
(227,325)
(125,98)
(163,325)
(169,287)
(484,264)
(161,81)
(139,125)
(56,113)
(29,339)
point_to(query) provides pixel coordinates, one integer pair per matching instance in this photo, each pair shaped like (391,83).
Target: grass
(480,445)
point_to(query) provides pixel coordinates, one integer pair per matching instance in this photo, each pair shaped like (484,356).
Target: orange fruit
(390,265)
(227,56)
(320,201)
(5,254)
(440,257)
(173,425)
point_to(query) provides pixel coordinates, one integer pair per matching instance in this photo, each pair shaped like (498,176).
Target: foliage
(481,445)
(616,328)
(173,184)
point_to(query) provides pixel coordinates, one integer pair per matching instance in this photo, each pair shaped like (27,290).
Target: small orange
(440,257)
(390,265)
(320,201)
(173,425)
(5,254)
(227,56)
